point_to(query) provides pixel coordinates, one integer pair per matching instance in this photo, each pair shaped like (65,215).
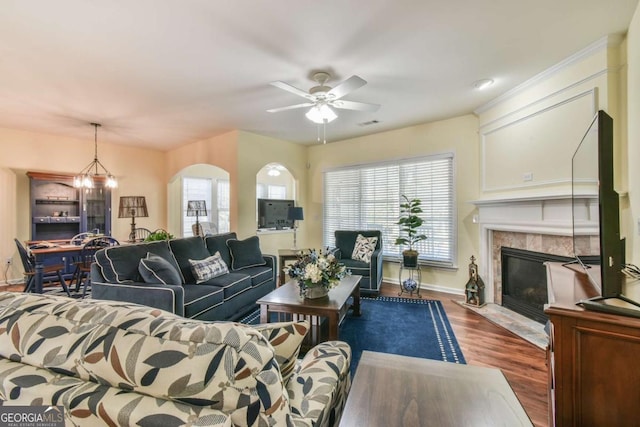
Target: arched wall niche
(198,182)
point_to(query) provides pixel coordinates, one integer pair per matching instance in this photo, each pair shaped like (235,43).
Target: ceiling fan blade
(291,107)
(292,89)
(352,105)
(349,85)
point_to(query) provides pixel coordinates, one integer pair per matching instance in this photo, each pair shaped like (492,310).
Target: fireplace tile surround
(541,224)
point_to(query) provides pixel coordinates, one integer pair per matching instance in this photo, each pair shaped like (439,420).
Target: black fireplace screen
(524,281)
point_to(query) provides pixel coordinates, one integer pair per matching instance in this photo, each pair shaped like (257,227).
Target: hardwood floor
(485,344)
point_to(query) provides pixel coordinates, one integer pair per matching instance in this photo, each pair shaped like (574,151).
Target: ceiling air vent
(369,123)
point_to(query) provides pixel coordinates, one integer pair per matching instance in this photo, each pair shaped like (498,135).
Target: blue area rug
(409,327)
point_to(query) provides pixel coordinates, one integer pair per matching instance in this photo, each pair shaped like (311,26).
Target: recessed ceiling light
(483,84)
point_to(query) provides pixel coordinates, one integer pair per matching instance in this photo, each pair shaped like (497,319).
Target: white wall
(633,148)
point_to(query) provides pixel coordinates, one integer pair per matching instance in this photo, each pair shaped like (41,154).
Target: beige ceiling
(163,73)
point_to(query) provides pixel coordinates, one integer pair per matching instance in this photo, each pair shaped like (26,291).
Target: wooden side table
(285,255)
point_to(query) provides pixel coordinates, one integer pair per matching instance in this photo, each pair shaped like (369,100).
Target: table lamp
(197,208)
(132,206)
(295,214)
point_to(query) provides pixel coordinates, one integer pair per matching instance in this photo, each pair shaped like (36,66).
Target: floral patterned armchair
(112,363)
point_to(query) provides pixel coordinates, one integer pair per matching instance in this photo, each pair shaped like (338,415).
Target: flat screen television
(273,213)
(592,179)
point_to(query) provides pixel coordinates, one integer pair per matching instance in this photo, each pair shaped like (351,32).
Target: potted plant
(409,223)
(159,234)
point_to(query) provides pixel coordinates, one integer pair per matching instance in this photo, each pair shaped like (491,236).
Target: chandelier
(87,176)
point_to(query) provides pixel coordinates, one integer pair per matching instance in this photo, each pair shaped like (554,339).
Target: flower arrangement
(317,269)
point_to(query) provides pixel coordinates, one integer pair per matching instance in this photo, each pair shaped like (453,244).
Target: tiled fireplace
(539,224)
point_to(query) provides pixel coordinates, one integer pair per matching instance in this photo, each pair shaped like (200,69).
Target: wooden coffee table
(287,299)
(392,390)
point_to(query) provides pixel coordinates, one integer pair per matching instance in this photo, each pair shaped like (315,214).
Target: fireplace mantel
(539,217)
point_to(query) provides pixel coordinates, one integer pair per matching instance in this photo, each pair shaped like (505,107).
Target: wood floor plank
(484,343)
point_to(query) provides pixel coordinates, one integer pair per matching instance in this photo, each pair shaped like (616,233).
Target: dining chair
(82,272)
(28,263)
(141,233)
(80,238)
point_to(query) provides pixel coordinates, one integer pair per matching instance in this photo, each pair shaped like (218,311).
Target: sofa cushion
(155,269)
(245,253)
(363,248)
(286,339)
(185,249)
(199,299)
(258,274)
(232,283)
(119,264)
(208,268)
(218,243)
(360,268)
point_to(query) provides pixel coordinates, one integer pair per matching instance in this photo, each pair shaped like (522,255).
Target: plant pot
(410,258)
(316,292)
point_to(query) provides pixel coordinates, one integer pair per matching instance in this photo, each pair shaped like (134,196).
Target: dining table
(43,250)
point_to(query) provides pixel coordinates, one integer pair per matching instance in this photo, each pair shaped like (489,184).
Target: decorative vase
(316,292)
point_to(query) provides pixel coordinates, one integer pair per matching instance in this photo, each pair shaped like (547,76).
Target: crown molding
(605,42)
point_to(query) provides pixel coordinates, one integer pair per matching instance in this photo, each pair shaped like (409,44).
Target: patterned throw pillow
(364,248)
(208,268)
(155,269)
(286,339)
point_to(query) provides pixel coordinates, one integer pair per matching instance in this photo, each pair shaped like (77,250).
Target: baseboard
(428,287)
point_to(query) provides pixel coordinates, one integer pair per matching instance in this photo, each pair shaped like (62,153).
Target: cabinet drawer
(55,219)
(73,219)
(41,220)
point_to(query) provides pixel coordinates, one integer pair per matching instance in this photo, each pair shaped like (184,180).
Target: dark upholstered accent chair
(371,272)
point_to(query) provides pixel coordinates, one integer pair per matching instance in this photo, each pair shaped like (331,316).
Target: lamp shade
(132,206)
(295,213)
(197,208)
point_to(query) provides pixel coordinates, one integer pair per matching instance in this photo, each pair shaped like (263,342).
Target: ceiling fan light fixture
(321,114)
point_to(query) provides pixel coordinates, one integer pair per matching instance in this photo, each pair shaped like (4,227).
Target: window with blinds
(208,190)
(223,206)
(368,197)
(195,189)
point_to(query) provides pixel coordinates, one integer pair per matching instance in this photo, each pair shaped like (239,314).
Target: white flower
(313,273)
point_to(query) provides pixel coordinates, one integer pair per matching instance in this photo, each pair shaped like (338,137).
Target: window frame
(392,252)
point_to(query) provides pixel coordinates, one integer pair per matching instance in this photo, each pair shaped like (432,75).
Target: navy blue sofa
(115,276)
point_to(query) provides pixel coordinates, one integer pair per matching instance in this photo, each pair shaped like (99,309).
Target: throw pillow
(245,253)
(364,248)
(208,268)
(155,269)
(286,339)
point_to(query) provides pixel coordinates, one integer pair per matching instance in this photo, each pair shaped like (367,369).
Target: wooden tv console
(593,357)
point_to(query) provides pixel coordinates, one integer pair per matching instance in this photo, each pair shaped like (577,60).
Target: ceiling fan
(322,97)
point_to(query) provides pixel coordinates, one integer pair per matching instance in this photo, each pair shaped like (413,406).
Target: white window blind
(195,189)
(270,191)
(223,206)
(368,197)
